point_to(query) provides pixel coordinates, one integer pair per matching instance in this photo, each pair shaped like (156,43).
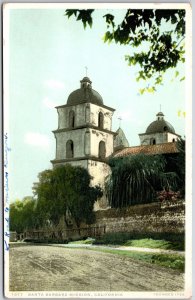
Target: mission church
(85,138)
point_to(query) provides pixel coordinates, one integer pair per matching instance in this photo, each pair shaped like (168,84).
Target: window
(173,140)
(102,150)
(69,149)
(71,119)
(165,128)
(87,114)
(152,141)
(100,120)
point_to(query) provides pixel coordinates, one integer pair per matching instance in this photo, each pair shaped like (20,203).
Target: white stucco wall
(77,136)
(94,113)
(99,171)
(85,113)
(172,136)
(63,115)
(96,137)
(86,142)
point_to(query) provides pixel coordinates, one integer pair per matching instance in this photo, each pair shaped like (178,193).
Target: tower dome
(160,125)
(85,94)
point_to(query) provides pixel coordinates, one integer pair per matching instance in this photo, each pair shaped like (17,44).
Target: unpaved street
(46,268)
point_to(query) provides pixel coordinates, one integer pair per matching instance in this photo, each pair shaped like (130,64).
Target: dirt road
(45,268)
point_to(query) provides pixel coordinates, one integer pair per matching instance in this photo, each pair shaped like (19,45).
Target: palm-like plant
(135,179)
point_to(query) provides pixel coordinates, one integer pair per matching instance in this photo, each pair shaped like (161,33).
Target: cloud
(49,103)
(55,84)
(37,139)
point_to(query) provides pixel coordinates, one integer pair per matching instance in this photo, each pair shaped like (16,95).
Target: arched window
(100,120)
(102,150)
(71,119)
(87,114)
(152,141)
(165,128)
(173,140)
(69,149)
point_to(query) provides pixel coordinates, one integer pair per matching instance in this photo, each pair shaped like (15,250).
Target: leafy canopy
(66,189)
(160,33)
(22,214)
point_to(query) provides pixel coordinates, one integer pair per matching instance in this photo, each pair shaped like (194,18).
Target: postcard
(97,112)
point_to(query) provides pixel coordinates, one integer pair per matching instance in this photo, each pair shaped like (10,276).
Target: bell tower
(84,136)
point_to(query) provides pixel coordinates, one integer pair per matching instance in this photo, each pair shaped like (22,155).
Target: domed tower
(158,132)
(84,136)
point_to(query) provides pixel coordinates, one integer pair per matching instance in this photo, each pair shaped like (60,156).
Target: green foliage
(83,14)
(154,244)
(22,214)
(164,240)
(180,163)
(136,178)
(61,190)
(65,189)
(161,32)
(173,261)
(85,242)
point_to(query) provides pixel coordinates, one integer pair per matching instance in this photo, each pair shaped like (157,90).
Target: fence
(66,234)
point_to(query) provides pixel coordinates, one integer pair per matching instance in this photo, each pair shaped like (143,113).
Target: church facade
(84,136)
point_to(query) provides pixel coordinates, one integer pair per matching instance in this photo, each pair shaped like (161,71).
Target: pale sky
(48,55)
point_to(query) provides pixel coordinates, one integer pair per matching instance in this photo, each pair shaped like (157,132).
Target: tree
(22,214)
(65,188)
(136,179)
(159,32)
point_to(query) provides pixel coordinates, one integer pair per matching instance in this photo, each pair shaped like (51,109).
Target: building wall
(95,137)
(160,138)
(94,112)
(76,163)
(155,217)
(63,115)
(78,138)
(86,142)
(171,137)
(99,172)
(86,113)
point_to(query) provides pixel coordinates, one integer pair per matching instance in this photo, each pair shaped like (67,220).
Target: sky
(48,54)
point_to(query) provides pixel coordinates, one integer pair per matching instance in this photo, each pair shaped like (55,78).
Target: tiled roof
(148,149)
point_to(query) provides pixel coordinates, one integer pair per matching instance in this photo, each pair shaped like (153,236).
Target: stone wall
(155,217)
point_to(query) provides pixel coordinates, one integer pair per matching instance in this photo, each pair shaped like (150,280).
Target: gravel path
(45,268)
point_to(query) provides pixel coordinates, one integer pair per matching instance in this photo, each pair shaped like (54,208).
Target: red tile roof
(148,149)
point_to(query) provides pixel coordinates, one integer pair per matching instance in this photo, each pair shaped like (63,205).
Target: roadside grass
(150,243)
(85,242)
(165,241)
(173,261)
